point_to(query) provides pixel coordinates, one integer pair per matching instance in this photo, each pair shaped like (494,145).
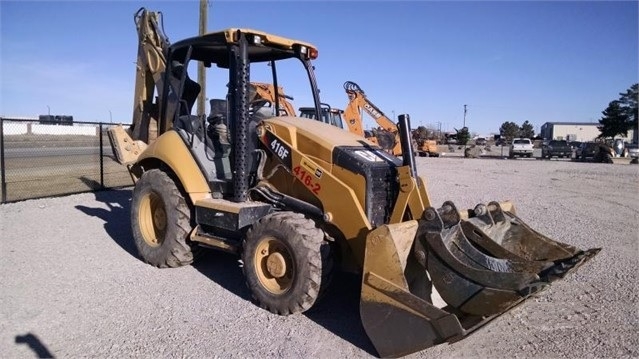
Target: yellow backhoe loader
(387,135)
(332,116)
(296,198)
(266,92)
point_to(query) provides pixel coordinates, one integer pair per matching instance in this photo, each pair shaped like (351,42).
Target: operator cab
(330,115)
(230,57)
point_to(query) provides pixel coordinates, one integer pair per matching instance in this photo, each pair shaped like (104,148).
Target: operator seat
(190,91)
(189,94)
(218,135)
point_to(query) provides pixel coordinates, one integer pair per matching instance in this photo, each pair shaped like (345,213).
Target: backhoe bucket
(481,266)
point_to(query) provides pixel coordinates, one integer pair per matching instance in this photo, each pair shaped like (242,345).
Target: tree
(509,130)
(629,104)
(614,121)
(620,115)
(526,130)
(463,136)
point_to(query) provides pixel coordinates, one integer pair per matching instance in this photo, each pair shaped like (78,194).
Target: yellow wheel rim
(274,266)
(152,217)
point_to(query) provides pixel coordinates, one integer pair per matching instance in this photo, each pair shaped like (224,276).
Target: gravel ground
(72,286)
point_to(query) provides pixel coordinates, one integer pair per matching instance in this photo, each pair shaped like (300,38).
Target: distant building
(575,131)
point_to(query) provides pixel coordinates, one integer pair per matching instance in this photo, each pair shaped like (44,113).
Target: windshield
(336,119)
(521,142)
(290,82)
(332,117)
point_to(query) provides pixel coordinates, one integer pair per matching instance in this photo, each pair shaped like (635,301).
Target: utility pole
(464,116)
(201,72)
(466,137)
(48,110)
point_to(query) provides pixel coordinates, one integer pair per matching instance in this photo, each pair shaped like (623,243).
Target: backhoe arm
(358,100)
(128,144)
(352,114)
(389,137)
(266,92)
(151,65)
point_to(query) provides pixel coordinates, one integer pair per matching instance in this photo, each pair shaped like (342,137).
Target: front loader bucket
(481,267)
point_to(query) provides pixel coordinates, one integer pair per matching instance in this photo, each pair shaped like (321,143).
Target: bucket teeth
(482,265)
(492,260)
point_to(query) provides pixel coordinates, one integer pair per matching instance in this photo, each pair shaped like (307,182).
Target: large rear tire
(287,262)
(161,221)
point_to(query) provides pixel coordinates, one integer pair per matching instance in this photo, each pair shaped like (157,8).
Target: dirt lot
(72,285)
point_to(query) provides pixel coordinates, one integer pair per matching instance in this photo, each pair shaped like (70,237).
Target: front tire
(161,221)
(287,262)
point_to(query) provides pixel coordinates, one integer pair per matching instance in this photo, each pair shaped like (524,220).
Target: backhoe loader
(387,134)
(330,115)
(296,198)
(266,92)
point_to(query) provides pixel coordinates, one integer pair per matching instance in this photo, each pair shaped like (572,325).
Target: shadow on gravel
(34,344)
(224,269)
(337,311)
(116,218)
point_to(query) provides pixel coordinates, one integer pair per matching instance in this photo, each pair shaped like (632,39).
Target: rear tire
(161,221)
(287,262)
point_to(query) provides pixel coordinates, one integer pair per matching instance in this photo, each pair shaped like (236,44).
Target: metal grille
(43,160)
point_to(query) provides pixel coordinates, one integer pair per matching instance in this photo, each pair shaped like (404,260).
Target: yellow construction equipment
(296,198)
(426,147)
(267,93)
(332,116)
(387,134)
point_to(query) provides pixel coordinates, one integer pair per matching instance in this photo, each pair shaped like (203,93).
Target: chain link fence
(40,159)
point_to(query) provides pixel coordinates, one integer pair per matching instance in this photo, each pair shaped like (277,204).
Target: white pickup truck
(522,147)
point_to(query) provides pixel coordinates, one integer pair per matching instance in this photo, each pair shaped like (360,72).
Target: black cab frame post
(239,79)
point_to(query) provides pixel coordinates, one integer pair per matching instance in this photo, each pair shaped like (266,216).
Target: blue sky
(507,60)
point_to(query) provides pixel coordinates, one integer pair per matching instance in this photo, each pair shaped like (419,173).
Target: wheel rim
(152,216)
(273,264)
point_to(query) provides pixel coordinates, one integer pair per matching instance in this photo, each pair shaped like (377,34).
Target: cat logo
(312,168)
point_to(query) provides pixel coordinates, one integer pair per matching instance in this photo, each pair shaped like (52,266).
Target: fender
(170,149)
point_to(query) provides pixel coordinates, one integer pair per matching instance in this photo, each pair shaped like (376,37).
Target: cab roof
(213,46)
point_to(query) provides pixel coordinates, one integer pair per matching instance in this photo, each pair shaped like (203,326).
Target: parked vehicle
(556,148)
(501,142)
(522,147)
(586,150)
(633,150)
(575,144)
(480,141)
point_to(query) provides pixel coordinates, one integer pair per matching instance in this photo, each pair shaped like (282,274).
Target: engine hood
(314,138)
